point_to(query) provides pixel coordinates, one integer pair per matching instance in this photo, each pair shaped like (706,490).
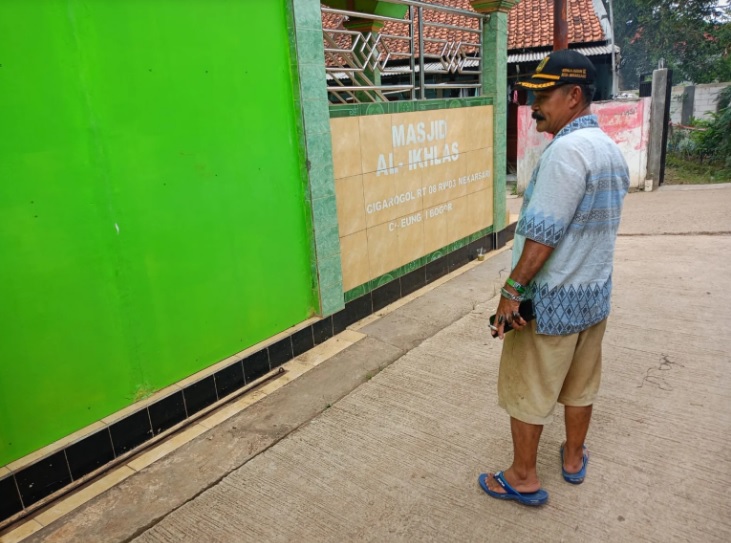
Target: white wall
(627,122)
(676,104)
(706,99)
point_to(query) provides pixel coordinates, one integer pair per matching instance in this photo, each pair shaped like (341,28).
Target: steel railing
(407,59)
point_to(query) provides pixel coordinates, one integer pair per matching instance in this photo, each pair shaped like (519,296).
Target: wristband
(510,296)
(520,289)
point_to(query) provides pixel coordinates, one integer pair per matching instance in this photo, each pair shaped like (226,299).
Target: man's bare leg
(577,426)
(522,475)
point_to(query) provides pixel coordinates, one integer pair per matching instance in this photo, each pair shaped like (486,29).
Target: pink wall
(626,122)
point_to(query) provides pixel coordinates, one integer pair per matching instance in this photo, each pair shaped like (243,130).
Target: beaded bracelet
(520,289)
(510,296)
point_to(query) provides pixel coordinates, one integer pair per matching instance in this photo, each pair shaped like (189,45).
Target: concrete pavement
(384,441)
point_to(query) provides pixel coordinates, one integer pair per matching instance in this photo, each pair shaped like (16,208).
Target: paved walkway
(397,458)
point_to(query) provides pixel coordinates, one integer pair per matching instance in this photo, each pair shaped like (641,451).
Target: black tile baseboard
(10,503)
(504,236)
(281,351)
(167,412)
(386,294)
(229,379)
(460,257)
(302,342)
(354,311)
(322,330)
(43,478)
(437,268)
(25,487)
(200,395)
(130,432)
(412,281)
(256,365)
(90,453)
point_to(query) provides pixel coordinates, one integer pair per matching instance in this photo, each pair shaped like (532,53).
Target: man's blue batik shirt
(573,203)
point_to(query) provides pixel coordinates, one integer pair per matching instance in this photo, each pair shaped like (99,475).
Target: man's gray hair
(587,91)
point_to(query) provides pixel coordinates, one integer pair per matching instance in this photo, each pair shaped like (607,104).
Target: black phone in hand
(526,311)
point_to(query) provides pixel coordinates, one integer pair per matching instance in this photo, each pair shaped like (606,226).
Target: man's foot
(524,486)
(573,464)
(507,492)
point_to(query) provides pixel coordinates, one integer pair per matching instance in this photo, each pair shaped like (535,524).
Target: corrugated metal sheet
(592,51)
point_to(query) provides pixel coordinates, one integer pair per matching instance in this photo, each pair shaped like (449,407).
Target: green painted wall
(152,216)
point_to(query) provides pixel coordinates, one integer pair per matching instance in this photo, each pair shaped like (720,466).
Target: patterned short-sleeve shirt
(573,203)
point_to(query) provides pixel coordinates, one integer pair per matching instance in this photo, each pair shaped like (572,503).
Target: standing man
(562,261)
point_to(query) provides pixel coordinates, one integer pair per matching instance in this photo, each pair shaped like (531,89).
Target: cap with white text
(561,68)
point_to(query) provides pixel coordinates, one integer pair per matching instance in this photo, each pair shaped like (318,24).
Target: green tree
(716,140)
(693,37)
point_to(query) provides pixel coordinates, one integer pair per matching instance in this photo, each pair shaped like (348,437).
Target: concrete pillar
(657,125)
(313,119)
(495,84)
(686,111)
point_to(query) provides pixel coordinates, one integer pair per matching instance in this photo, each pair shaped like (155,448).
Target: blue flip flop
(578,477)
(530,498)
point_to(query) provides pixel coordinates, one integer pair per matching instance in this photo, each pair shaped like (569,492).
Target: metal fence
(434,51)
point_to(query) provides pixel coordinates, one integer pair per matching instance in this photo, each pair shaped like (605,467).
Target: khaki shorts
(536,371)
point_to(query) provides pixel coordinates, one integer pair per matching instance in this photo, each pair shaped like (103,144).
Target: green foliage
(692,37)
(724,99)
(715,141)
(679,171)
(706,147)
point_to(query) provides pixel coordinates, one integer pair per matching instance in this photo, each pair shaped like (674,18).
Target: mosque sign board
(409,184)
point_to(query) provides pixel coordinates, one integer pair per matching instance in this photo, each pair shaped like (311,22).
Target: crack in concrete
(652,376)
(141,530)
(152,523)
(682,234)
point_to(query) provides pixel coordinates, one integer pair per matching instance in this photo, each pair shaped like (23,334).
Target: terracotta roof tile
(530,24)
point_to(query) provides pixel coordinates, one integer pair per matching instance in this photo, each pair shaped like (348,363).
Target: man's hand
(531,260)
(507,312)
